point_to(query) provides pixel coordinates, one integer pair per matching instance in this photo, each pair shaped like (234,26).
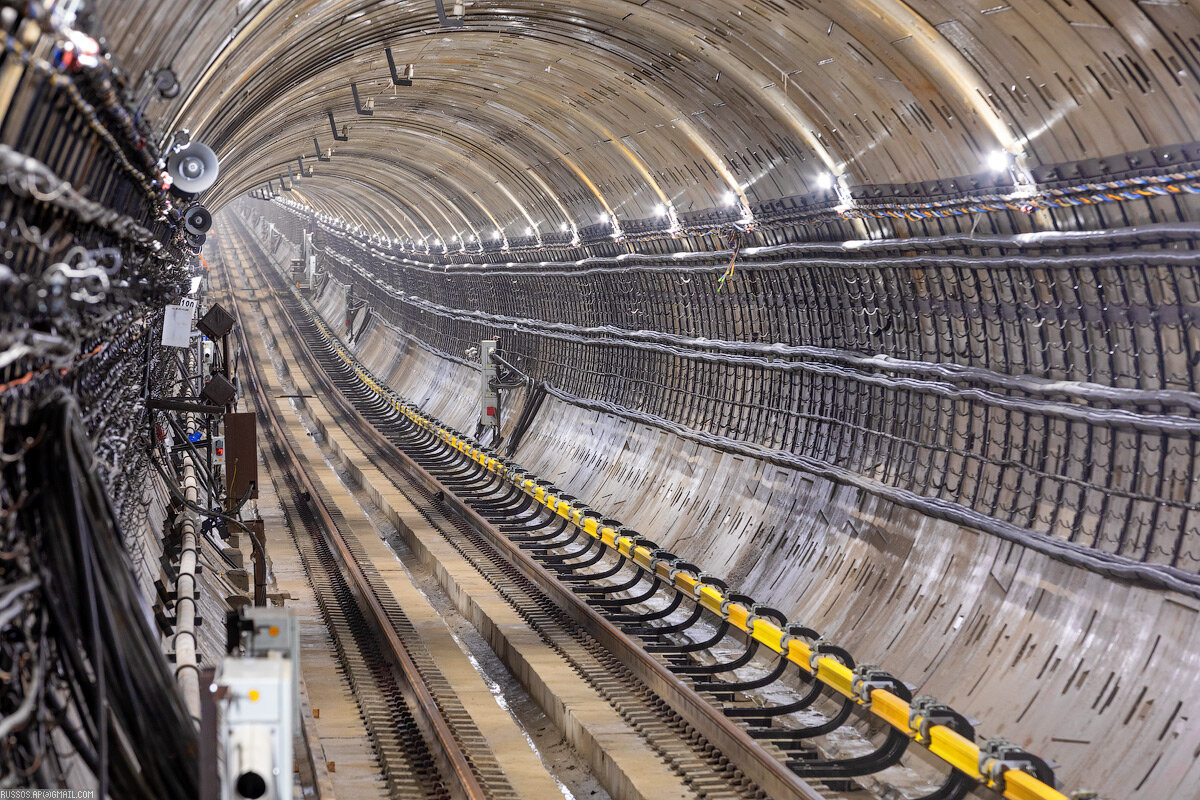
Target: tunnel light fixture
(660,210)
(496,236)
(604,218)
(564,227)
(825,181)
(731,199)
(998,161)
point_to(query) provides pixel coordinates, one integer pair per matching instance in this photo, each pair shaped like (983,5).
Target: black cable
(125,685)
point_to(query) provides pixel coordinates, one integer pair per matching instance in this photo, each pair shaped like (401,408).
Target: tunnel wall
(1029,384)
(1058,658)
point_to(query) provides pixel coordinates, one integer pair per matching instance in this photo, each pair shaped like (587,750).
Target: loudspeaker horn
(193,169)
(197,220)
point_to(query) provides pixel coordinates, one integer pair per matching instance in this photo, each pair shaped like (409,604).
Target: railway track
(690,685)
(699,768)
(407,766)
(591,657)
(373,639)
(697,762)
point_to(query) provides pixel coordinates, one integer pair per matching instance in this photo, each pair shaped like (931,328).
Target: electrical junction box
(268,631)
(309,256)
(256,729)
(206,359)
(241,440)
(489,410)
(218,451)
(272,632)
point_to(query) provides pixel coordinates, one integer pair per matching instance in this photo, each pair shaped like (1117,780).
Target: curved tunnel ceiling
(536,115)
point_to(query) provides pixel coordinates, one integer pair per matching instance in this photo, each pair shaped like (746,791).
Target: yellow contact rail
(993,771)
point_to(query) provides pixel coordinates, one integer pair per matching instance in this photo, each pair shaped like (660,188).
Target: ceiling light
(998,161)
(825,181)
(731,199)
(496,236)
(604,218)
(529,231)
(660,210)
(564,227)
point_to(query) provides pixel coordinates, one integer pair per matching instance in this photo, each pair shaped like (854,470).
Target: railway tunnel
(609,399)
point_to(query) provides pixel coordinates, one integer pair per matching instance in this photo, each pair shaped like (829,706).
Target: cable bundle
(83,658)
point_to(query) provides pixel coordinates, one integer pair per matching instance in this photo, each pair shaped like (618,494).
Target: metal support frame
(358,106)
(445,20)
(397,80)
(337,137)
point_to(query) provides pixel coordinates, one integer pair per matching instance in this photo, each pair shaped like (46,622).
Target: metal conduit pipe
(187,670)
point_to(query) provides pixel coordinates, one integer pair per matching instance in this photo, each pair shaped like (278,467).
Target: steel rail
(453,763)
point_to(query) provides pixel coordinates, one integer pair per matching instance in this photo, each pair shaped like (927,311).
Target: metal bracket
(443,19)
(282,185)
(867,678)
(998,756)
(333,127)
(679,565)
(317,145)
(795,631)
(303,174)
(657,557)
(396,79)
(365,111)
(705,579)
(186,405)
(925,711)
